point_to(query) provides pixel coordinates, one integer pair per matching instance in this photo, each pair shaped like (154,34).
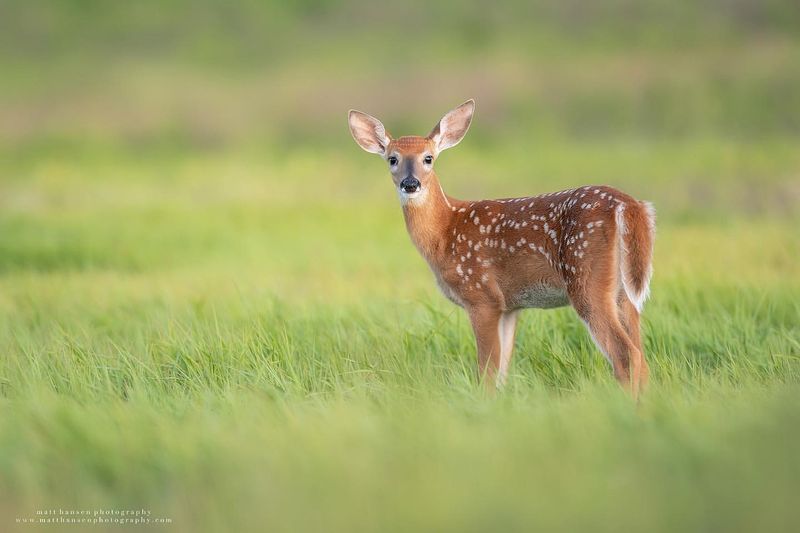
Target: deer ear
(453,126)
(368,132)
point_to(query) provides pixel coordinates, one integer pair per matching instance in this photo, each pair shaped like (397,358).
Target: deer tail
(636,227)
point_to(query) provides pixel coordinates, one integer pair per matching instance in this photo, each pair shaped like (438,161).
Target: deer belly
(449,292)
(540,296)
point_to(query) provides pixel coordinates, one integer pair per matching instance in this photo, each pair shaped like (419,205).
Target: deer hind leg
(629,317)
(486,324)
(600,313)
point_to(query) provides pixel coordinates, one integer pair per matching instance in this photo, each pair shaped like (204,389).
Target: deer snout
(409,184)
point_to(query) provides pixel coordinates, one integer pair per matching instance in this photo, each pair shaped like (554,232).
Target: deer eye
(392,160)
(428,159)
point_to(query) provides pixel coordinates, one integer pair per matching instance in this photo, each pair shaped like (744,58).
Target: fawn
(589,247)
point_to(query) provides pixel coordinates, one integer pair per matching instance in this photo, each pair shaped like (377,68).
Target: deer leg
(508,329)
(629,317)
(600,314)
(486,324)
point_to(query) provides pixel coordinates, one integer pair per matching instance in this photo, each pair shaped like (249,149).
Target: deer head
(411,158)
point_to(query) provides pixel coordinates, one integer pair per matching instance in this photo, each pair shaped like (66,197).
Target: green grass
(210,309)
(226,355)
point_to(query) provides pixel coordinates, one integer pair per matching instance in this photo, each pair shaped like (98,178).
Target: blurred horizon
(695,106)
(206,76)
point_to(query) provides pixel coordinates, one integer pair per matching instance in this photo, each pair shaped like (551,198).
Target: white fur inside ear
(453,126)
(368,132)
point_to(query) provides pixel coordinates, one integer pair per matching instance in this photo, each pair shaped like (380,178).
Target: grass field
(211,309)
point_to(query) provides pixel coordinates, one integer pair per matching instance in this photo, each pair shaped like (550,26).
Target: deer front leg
(486,322)
(508,328)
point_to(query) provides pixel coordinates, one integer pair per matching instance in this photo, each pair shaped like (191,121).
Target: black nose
(410,184)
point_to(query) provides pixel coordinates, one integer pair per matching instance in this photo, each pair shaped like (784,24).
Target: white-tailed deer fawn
(590,247)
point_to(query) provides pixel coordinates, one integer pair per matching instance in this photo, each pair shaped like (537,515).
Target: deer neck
(429,219)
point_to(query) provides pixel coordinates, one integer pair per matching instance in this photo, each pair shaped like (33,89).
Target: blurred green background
(209,306)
